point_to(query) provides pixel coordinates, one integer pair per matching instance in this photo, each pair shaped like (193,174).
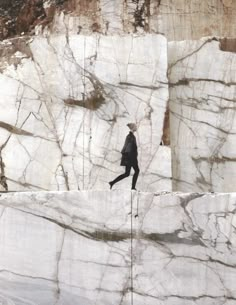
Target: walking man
(129,157)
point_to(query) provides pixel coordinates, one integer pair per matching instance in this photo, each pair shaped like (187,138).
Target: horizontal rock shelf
(117,247)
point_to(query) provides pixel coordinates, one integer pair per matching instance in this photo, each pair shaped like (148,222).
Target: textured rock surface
(103,63)
(178,20)
(73,16)
(69,99)
(115,247)
(193,19)
(202,104)
(73,74)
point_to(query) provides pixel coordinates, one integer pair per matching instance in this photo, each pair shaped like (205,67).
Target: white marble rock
(69,99)
(202,122)
(117,247)
(194,19)
(102,16)
(177,20)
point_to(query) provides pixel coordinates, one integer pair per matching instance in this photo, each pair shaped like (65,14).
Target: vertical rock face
(110,248)
(202,105)
(75,72)
(178,20)
(73,16)
(69,100)
(193,19)
(73,87)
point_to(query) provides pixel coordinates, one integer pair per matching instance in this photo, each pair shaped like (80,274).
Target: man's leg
(135,176)
(126,174)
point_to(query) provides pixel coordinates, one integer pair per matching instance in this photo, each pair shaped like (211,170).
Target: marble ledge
(117,247)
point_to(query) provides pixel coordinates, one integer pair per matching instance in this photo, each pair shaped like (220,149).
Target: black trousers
(127,173)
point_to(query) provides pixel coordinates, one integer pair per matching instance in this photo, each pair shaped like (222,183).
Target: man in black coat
(129,157)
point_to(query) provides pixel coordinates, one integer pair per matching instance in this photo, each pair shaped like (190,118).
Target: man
(129,157)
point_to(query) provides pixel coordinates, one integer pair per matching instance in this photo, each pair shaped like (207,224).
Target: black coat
(129,151)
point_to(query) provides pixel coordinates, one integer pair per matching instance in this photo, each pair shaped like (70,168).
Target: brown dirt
(228,45)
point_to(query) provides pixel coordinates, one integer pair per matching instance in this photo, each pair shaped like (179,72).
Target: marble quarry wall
(202,79)
(177,20)
(193,19)
(69,98)
(119,247)
(21,17)
(74,73)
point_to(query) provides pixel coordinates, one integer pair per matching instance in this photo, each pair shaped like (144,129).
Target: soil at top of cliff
(21,16)
(17,16)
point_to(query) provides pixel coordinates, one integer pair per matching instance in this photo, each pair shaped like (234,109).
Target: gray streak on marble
(79,248)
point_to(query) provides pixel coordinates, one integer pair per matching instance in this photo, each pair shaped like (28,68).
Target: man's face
(134,128)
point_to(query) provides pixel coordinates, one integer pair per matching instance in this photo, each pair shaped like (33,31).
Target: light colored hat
(132,126)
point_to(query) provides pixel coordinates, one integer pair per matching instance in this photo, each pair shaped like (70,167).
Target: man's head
(132,127)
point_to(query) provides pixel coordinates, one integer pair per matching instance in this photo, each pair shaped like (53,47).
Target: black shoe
(133,188)
(111,185)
